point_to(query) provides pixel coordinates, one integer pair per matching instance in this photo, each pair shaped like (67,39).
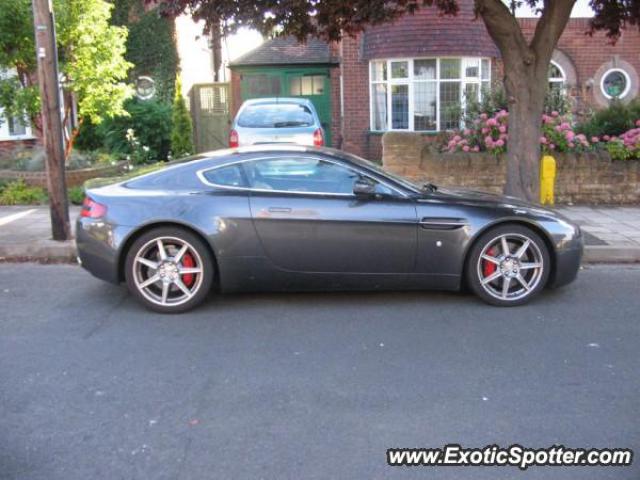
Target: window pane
(450,68)
(300,175)
(555,72)
(486,87)
(486,69)
(16,127)
(400,106)
(399,69)
(472,67)
(318,85)
(379,106)
(424,106)
(449,105)
(262,85)
(378,71)
(307,85)
(615,84)
(275,115)
(424,69)
(295,86)
(471,94)
(230,176)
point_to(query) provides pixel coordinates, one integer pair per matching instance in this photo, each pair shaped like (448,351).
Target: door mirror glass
(364,187)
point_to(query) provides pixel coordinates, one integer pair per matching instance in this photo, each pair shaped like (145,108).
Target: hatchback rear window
(276,115)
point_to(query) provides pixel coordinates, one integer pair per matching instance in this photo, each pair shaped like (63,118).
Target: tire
(525,276)
(183,274)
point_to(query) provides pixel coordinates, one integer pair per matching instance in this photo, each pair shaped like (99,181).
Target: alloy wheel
(168,271)
(510,267)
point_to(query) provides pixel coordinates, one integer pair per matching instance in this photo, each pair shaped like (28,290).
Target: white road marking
(15,216)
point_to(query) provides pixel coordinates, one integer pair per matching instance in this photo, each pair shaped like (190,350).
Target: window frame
(411,80)
(562,81)
(627,78)
(360,171)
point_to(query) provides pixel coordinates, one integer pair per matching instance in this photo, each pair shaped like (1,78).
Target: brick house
(416,74)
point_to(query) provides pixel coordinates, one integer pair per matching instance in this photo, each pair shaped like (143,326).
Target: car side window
(229,176)
(311,175)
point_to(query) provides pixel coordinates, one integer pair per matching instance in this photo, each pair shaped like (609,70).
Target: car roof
(276,100)
(267,148)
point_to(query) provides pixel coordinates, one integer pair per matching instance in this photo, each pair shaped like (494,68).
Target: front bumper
(567,264)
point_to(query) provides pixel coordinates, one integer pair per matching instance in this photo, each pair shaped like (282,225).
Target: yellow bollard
(547,179)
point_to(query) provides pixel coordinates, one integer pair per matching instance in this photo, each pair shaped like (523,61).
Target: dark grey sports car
(298,218)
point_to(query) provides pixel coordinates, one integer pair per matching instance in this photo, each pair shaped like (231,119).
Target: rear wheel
(508,265)
(169,270)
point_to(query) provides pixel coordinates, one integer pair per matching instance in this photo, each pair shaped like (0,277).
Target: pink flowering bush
(626,146)
(486,134)
(490,134)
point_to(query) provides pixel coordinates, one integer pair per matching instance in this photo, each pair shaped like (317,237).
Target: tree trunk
(526,104)
(526,65)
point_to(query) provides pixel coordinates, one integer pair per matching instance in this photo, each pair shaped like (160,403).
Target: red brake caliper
(188,262)
(489,267)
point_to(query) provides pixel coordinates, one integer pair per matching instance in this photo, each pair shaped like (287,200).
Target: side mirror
(364,187)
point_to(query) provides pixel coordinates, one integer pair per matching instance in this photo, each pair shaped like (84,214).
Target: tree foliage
(331,19)
(151,45)
(182,131)
(91,53)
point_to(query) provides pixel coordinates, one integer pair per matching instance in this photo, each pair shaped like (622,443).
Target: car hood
(493,200)
(484,197)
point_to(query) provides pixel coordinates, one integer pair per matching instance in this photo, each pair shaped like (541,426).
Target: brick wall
(581,178)
(74,177)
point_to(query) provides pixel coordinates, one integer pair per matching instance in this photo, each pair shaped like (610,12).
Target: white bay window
(424,94)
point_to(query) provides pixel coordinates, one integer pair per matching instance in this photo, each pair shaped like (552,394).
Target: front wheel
(508,265)
(169,270)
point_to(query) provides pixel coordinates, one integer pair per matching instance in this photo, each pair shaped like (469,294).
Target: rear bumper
(98,244)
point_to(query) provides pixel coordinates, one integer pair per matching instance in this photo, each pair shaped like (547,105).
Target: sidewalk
(612,234)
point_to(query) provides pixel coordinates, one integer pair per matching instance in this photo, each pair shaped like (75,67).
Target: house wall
(590,57)
(584,59)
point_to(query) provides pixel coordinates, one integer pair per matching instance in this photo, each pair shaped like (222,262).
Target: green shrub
(151,122)
(90,137)
(182,132)
(19,193)
(76,195)
(616,119)
(495,100)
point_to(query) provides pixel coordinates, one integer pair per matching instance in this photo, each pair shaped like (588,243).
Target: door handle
(279,210)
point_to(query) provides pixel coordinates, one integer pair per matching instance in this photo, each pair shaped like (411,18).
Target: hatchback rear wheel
(169,270)
(508,265)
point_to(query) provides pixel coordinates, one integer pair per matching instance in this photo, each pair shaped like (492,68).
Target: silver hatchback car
(277,120)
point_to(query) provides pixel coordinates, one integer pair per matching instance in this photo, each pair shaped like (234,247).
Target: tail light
(234,139)
(318,138)
(92,209)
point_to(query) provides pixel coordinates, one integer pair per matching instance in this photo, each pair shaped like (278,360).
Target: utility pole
(47,54)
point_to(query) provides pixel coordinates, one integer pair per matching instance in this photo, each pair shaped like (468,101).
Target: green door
(309,82)
(315,86)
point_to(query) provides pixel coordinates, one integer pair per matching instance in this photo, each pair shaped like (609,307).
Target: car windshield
(275,115)
(376,168)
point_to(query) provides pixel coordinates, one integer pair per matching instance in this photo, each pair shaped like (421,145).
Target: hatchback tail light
(92,209)
(234,139)
(318,138)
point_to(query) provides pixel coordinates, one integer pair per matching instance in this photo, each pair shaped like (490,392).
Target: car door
(308,219)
